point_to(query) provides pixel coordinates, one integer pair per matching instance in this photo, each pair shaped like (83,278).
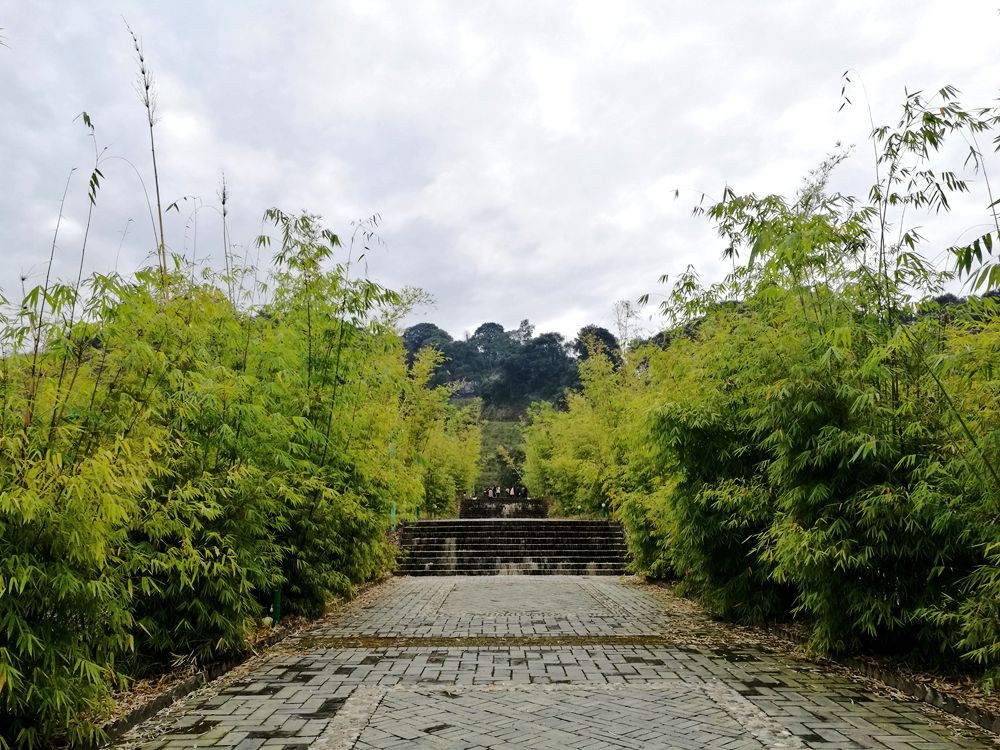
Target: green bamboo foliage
(821,435)
(173,458)
(592,461)
(442,442)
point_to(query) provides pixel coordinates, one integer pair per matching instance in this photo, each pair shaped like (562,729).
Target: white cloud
(523,155)
(555,83)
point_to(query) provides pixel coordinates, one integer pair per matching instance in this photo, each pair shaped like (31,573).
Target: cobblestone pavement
(494,674)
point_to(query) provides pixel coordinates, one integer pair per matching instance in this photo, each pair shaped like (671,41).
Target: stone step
(519,568)
(492,556)
(514,536)
(514,541)
(455,566)
(430,545)
(434,545)
(505,527)
(517,554)
(452,543)
(522,531)
(514,522)
(509,526)
(495,554)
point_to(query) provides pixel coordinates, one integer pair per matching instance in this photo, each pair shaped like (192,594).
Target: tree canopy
(509,369)
(593,337)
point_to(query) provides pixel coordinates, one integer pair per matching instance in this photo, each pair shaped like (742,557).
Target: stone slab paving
(516,606)
(332,690)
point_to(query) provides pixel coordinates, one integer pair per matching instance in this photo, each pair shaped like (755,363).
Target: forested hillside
(505,371)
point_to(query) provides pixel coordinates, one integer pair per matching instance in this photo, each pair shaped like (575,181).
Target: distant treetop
(509,370)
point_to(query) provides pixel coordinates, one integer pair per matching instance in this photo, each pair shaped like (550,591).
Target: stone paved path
(533,662)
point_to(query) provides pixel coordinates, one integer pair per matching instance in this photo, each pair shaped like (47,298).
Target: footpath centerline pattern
(488,678)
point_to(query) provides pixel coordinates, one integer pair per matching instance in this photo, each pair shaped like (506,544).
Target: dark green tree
(594,335)
(540,371)
(493,344)
(421,335)
(523,333)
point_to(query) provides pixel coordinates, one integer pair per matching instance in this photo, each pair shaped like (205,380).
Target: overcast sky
(523,156)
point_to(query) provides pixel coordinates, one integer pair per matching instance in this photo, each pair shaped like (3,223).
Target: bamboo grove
(179,449)
(816,437)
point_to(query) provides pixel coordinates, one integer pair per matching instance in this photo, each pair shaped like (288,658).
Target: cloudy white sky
(523,155)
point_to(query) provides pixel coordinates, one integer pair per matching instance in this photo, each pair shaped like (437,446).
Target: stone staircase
(498,546)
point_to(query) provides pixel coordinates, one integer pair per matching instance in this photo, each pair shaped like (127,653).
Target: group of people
(497,491)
